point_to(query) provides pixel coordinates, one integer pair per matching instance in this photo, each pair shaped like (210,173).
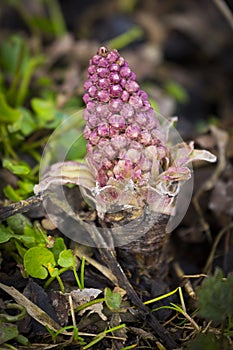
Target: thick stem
(149,252)
(145,252)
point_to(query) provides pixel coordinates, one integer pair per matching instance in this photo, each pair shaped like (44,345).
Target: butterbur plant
(134,172)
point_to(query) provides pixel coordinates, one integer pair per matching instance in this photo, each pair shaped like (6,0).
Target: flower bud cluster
(124,141)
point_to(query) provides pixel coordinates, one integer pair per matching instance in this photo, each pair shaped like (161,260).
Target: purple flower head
(136,158)
(127,119)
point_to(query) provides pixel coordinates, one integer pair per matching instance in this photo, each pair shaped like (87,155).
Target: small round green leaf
(66,258)
(5,234)
(112,299)
(37,262)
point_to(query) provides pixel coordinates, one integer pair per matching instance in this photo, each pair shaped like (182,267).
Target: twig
(222,140)
(224,9)
(72,313)
(20,207)
(208,264)
(187,284)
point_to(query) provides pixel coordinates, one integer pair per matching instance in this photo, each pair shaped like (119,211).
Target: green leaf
(66,258)
(78,149)
(27,73)
(216,297)
(25,186)
(176,91)
(45,81)
(37,262)
(45,110)
(11,193)
(74,103)
(8,331)
(154,105)
(203,342)
(18,223)
(25,124)
(13,51)
(43,24)
(58,247)
(112,299)
(21,250)
(126,38)
(58,118)
(16,167)
(7,114)
(36,237)
(5,234)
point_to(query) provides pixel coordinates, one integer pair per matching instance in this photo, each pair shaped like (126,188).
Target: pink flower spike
(127,146)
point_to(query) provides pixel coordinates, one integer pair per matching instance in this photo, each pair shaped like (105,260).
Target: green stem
(6,142)
(12,92)
(8,346)
(116,328)
(56,17)
(35,144)
(41,231)
(82,268)
(23,88)
(51,279)
(35,170)
(89,303)
(103,335)
(9,318)
(161,297)
(130,347)
(125,39)
(61,285)
(77,278)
